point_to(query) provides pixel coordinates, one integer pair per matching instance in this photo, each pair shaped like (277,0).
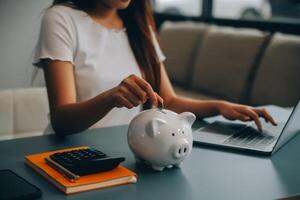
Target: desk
(207,174)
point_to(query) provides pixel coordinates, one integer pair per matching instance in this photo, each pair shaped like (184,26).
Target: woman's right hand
(133,91)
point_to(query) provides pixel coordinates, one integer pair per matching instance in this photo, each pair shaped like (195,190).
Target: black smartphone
(13,186)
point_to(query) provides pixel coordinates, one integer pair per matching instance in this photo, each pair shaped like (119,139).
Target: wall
(19,30)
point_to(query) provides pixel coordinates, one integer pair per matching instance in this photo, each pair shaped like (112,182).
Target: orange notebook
(119,175)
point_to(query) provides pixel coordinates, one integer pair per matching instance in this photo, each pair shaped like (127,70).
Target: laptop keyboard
(250,137)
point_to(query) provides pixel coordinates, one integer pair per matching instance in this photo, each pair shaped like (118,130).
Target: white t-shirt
(102,57)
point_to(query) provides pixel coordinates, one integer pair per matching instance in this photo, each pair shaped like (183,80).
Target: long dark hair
(137,19)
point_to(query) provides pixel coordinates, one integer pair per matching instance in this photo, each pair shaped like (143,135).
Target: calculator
(85,161)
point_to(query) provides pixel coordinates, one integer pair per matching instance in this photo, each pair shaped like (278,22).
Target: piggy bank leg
(138,160)
(157,168)
(177,165)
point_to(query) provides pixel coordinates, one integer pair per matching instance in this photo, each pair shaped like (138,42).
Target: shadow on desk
(229,150)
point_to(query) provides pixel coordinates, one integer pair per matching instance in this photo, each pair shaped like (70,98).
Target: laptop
(246,137)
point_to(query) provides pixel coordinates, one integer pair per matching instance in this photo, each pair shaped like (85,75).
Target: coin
(160,105)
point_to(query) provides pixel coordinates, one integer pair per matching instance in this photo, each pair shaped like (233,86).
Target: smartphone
(13,186)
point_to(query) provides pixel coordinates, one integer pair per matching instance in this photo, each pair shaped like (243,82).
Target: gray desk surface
(207,174)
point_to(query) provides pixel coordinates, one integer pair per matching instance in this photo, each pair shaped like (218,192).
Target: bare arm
(69,116)
(209,108)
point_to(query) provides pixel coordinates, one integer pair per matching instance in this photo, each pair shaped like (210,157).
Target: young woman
(102,64)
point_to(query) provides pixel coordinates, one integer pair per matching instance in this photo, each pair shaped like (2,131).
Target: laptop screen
(291,128)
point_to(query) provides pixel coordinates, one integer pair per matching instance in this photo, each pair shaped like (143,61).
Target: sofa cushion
(225,59)
(6,114)
(278,76)
(179,42)
(30,110)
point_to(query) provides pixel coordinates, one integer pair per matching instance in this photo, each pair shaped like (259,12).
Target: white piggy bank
(161,138)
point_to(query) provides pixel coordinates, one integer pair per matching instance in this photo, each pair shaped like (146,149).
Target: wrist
(106,99)
(110,98)
(219,105)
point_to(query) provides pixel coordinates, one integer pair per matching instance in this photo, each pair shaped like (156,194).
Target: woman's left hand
(244,113)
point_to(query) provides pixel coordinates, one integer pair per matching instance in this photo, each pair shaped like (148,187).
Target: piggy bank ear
(153,126)
(188,117)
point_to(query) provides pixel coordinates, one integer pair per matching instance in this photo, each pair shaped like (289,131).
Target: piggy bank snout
(180,149)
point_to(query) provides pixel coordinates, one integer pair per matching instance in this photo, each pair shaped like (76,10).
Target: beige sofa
(237,64)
